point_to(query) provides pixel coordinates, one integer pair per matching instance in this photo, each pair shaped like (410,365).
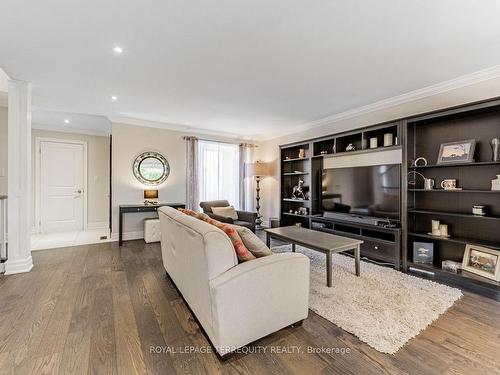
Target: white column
(19,183)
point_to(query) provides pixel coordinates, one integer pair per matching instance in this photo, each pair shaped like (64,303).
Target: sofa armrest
(247,216)
(222,219)
(258,297)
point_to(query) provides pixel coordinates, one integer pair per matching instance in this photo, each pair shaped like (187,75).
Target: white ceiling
(77,123)
(247,66)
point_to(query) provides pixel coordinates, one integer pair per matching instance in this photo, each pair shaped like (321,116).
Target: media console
(381,245)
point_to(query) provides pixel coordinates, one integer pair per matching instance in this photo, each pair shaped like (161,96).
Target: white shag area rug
(383,307)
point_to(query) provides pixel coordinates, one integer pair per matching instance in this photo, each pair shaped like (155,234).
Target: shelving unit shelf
(424,136)
(455,165)
(455,191)
(457,214)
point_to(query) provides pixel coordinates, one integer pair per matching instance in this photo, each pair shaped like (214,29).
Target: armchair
(245,218)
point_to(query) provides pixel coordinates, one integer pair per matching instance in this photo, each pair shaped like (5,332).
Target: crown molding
(439,88)
(185,129)
(62,129)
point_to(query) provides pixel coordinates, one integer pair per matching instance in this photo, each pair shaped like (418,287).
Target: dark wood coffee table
(319,241)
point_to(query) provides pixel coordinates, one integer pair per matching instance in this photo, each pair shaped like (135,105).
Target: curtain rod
(186,138)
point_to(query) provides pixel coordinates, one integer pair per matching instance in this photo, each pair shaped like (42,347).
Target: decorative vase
(495,142)
(495,183)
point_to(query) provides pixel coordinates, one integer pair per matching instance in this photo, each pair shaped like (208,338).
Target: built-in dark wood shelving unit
(311,167)
(419,136)
(424,135)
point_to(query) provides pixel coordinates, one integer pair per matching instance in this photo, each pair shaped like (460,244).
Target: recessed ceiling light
(118,50)
(114,98)
(66,121)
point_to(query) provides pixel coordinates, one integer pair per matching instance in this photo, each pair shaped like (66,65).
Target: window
(219,172)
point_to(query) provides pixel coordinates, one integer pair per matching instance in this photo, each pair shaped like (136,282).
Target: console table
(137,208)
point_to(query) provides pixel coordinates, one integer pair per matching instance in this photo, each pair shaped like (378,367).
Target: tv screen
(365,191)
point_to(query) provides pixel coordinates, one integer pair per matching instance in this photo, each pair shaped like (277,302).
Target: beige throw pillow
(228,211)
(252,242)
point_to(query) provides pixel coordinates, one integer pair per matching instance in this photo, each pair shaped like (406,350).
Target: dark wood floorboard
(102,309)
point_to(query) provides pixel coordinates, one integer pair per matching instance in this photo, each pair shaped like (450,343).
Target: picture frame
(423,252)
(482,261)
(457,152)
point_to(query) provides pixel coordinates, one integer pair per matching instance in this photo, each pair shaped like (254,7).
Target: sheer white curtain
(192,190)
(219,172)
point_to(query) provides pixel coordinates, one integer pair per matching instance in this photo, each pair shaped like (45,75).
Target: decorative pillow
(252,242)
(198,215)
(239,247)
(228,211)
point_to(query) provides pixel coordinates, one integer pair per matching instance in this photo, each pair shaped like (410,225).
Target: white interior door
(62,183)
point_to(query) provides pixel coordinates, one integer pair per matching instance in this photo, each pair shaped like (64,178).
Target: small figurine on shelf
(302,153)
(298,191)
(303,211)
(350,147)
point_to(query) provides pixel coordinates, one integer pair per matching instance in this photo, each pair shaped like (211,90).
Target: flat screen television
(372,191)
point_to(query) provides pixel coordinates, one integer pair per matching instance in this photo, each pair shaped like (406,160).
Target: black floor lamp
(259,170)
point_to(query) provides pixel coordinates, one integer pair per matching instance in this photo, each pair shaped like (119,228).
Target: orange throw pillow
(242,252)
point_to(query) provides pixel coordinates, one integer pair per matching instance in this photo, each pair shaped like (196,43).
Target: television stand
(382,245)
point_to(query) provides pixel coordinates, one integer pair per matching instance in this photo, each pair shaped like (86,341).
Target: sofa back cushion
(207,206)
(240,249)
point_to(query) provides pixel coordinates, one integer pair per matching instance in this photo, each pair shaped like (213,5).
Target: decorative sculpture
(495,142)
(298,191)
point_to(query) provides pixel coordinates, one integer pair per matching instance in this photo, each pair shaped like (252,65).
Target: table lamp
(150,196)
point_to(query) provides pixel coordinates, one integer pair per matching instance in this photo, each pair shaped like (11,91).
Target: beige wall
(97,173)
(128,142)
(269,150)
(3,150)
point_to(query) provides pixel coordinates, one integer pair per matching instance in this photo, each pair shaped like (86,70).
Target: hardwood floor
(101,309)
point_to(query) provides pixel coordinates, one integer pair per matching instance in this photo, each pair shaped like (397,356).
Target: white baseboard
(18,266)
(98,225)
(127,236)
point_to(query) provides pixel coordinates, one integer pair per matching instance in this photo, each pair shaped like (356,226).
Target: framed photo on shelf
(457,152)
(482,261)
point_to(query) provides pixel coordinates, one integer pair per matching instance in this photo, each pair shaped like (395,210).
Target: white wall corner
(19,183)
